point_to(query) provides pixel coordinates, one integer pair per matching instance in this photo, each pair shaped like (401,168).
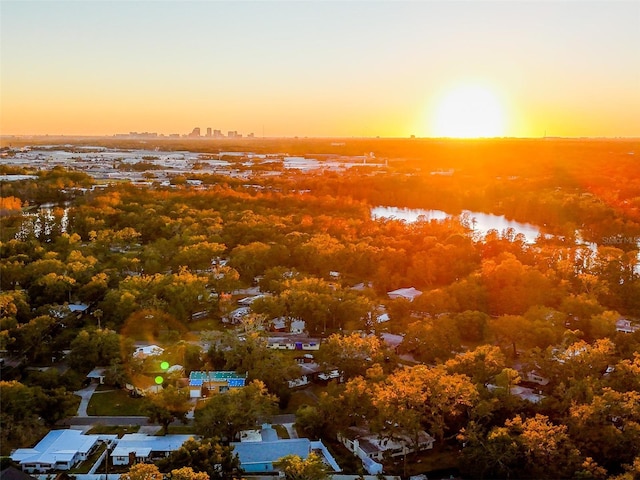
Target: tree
(198,256)
(33,339)
(440,401)
(19,424)
(187,473)
(251,354)
(431,341)
(203,456)
(351,354)
(510,330)
(297,468)
(94,347)
(142,471)
(481,364)
(608,427)
(167,406)
(532,448)
(225,415)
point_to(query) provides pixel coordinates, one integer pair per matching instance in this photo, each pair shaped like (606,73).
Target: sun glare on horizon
(469,111)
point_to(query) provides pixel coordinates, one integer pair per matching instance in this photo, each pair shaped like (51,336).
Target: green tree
(297,468)
(481,364)
(167,406)
(207,456)
(92,348)
(351,354)
(142,471)
(187,473)
(226,415)
(439,400)
(432,341)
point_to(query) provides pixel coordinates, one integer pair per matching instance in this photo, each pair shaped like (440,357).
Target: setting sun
(469,112)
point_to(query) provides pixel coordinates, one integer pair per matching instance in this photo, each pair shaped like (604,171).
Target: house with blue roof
(203,384)
(259,456)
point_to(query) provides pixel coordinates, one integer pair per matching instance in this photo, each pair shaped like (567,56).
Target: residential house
(372,449)
(145,351)
(295,326)
(311,372)
(139,448)
(410,293)
(293,342)
(59,450)
(201,384)
(626,326)
(259,456)
(12,473)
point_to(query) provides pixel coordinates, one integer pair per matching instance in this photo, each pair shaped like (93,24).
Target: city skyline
(322,69)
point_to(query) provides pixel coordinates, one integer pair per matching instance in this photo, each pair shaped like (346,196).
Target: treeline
(145,260)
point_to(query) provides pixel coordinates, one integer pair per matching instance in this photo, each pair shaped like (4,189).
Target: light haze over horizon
(325,69)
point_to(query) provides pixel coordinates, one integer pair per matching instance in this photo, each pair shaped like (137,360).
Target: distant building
(208,131)
(195,132)
(201,384)
(218,134)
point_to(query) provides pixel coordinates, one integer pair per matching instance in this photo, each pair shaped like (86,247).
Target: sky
(319,68)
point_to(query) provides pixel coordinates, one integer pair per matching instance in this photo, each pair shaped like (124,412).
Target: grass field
(115,402)
(113,430)
(179,430)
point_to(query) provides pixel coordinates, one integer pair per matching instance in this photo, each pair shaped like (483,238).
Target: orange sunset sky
(318,68)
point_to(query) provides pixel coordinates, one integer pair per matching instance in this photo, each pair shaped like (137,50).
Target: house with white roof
(293,342)
(410,293)
(148,351)
(138,447)
(59,450)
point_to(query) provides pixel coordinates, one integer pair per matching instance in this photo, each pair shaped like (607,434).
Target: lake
(482,222)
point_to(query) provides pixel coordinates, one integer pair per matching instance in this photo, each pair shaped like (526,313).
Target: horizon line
(141,136)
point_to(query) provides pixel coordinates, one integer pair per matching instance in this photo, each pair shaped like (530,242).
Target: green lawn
(298,398)
(180,430)
(113,430)
(115,402)
(85,466)
(441,457)
(282,432)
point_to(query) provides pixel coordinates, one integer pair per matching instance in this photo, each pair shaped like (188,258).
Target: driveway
(85,396)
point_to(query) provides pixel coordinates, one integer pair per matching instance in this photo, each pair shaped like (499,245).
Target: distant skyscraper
(195,132)
(208,131)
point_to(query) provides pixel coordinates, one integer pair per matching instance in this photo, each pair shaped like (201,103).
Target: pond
(480,222)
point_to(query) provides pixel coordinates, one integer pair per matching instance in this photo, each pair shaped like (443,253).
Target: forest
(495,310)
